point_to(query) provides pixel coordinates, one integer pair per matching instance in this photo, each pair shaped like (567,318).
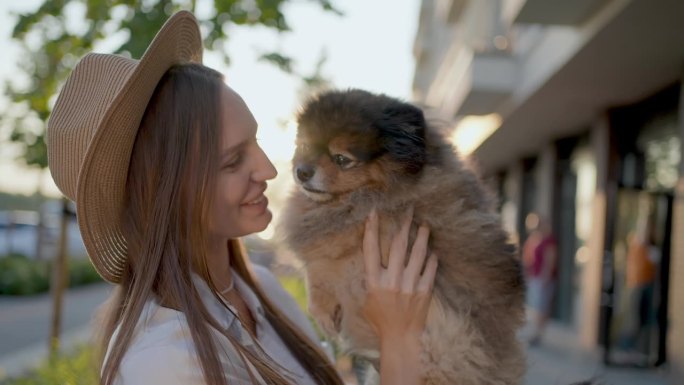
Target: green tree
(52,41)
(51,46)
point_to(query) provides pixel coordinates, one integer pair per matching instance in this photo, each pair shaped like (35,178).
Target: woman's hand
(398,299)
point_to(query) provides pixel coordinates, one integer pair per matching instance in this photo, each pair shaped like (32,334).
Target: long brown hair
(169,189)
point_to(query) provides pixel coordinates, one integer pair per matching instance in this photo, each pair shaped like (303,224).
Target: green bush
(76,368)
(22,276)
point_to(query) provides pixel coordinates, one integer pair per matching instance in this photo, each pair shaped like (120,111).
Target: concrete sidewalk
(559,360)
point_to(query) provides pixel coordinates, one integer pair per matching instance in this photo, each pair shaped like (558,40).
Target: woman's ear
(402,134)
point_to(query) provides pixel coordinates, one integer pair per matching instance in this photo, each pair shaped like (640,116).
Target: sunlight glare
(472,130)
(279,142)
(268,233)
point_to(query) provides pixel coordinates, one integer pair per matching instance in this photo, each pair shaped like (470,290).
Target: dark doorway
(565,194)
(639,227)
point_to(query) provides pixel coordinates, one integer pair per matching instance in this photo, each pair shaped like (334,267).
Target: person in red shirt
(539,255)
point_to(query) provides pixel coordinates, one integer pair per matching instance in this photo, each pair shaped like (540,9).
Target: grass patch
(74,368)
(297,289)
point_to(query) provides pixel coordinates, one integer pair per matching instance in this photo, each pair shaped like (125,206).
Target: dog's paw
(330,322)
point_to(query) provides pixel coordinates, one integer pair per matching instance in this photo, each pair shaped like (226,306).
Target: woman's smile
(257,206)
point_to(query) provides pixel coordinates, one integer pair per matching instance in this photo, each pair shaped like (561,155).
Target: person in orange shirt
(640,275)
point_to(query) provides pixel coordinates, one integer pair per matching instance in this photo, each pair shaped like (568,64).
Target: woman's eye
(341,160)
(232,163)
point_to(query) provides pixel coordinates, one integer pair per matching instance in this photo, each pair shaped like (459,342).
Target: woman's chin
(260,223)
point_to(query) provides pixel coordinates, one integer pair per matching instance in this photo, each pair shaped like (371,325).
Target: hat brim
(102,179)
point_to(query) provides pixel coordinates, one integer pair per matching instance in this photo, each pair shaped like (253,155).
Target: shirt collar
(226,317)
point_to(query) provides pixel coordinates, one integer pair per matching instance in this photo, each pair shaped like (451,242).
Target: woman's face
(239,206)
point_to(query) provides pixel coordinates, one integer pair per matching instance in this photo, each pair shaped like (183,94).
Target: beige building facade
(574,111)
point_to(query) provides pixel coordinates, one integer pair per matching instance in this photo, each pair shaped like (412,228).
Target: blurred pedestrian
(540,263)
(640,275)
(161,158)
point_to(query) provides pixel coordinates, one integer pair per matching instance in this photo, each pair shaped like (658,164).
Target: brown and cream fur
(398,161)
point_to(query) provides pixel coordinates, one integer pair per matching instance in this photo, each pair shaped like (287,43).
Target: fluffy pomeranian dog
(357,150)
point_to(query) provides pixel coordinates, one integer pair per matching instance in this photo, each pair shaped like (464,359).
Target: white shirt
(162,350)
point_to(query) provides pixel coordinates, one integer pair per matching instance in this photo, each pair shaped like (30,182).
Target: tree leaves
(51,48)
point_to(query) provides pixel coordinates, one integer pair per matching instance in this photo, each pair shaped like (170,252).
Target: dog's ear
(402,134)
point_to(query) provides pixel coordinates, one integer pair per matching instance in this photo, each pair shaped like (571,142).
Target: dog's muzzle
(304,172)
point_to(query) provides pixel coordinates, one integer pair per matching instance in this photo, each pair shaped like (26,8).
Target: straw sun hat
(92,128)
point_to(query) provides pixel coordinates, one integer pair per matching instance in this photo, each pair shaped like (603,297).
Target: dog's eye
(341,160)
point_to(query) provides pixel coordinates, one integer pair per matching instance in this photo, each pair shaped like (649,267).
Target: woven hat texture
(92,129)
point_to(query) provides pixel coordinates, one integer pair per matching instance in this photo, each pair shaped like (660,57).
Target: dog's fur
(398,161)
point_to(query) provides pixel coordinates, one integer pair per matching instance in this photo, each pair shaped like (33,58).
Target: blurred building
(19,233)
(574,110)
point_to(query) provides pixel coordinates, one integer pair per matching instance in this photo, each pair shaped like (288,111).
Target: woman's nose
(265,169)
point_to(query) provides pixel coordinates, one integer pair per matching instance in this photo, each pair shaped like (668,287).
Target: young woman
(162,161)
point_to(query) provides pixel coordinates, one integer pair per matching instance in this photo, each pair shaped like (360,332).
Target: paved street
(25,324)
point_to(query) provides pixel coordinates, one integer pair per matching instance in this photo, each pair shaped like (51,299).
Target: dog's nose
(304,172)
